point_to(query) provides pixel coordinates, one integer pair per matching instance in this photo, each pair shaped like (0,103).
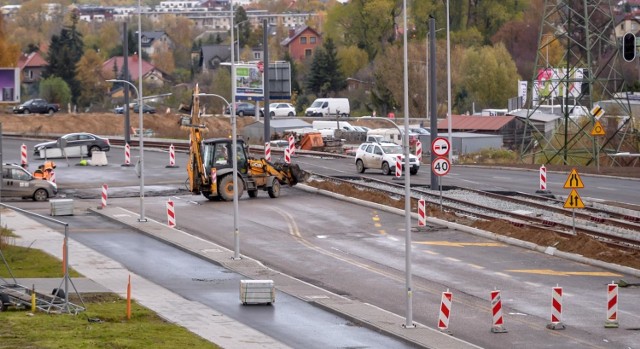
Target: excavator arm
(289,174)
(195,169)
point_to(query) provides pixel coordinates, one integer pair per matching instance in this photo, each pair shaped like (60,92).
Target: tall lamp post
(140,107)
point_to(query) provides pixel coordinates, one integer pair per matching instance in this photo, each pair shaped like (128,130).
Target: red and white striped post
(292,145)
(172,157)
(104,196)
(612,306)
(556,309)
(171,214)
(399,166)
(543,178)
(496,311)
(445,311)
(127,155)
(287,156)
(23,155)
(422,213)
(419,151)
(52,179)
(267,151)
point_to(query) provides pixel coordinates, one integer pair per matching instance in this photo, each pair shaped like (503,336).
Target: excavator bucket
(298,174)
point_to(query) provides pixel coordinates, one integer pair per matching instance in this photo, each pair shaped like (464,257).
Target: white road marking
(392,238)
(502,274)
(605,188)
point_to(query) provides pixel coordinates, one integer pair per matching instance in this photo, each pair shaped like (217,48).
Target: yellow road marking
(382,232)
(564,273)
(375,218)
(377,225)
(460,244)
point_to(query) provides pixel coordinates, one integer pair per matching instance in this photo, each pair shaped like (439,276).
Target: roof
(535,116)
(107,67)
(33,59)
(152,35)
(211,52)
(297,33)
(473,122)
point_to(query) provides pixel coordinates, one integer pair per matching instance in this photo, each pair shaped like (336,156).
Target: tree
(10,51)
(89,74)
(65,51)
(180,30)
(55,90)
(352,59)
(162,58)
(325,76)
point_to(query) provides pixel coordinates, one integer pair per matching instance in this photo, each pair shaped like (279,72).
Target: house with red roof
(31,65)
(302,42)
(150,74)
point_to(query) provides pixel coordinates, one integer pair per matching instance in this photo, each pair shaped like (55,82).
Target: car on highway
(280,109)
(36,105)
(74,144)
(383,156)
(17,182)
(243,109)
(146,109)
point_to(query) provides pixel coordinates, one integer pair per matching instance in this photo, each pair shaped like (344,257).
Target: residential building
(150,74)
(31,66)
(152,41)
(302,42)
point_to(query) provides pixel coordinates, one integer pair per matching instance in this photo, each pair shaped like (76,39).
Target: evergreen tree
(65,50)
(325,76)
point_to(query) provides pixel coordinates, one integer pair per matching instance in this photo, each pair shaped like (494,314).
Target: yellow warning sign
(597,129)
(573,200)
(573,181)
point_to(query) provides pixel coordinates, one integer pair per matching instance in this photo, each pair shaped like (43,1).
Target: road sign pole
(440,186)
(573,211)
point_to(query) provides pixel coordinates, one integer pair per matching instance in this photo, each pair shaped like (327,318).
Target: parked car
(420,131)
(146,109)
(243,109)
(17,182)
(37,105)
(383,156)
(75,145)
(280,109)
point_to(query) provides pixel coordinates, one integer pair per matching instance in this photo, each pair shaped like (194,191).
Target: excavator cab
(217,154)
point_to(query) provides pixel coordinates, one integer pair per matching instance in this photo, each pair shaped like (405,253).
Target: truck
(210,167)
(36,105)
(329,106)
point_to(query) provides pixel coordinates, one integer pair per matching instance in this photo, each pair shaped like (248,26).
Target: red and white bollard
(171,214)
(419,151)
(292,145)
(23,155)
(267,151)
(104,196)
(399,166)
(612,306)
(172,157)
(556,309)
(543,178)
(52,179)
(287,156)
(127,155)
(496,311)
(445,311)
(422,213)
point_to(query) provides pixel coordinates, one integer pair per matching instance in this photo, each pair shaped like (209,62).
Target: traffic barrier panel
(172,157)
(422,213)
(445,311)
(104,195)
(127,155)
(292,145)
(556,309)
(267,151)
(399,166)
(287,156)
(543,178)
(496,310)
(612,306)
(419,151)
(23,155)
(52,179)
(171,214)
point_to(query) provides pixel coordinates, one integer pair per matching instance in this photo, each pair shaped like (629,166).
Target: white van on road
(329,106)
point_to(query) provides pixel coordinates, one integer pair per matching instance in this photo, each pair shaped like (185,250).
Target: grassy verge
(103,325)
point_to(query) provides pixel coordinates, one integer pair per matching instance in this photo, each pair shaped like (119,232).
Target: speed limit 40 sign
(440,166)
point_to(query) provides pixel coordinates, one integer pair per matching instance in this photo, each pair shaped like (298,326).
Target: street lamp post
(234,144)
(237,27)
(141,133)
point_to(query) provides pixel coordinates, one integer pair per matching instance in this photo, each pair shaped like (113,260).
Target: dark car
(75,145)
(243,109)
(146,109)
(37,105)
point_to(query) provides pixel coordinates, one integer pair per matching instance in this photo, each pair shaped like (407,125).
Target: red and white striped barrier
(172,157)
(612,306)
(267,151)
(287,156)
(171,214)
(104,195)
(496,311)
(419,151)
(422,213)
(52,179)
(127,155)
(292,145)
(399,166)
(445,311)
(556,309)
(543,178)
(23,155)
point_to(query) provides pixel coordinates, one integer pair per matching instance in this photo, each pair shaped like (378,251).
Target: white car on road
(383,156)
(280,109)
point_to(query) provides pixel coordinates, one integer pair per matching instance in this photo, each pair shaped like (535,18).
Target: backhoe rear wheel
(274,190)
(225,187)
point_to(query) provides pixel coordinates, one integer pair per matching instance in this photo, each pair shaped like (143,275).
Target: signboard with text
(249,82)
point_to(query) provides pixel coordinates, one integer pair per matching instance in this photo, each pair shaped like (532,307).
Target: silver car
(17,182)
(383,156)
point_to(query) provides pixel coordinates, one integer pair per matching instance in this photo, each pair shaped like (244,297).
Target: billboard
(552,82)
(280,80)
(249,82)
(10,85)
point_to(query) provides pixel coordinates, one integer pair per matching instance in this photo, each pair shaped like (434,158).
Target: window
(307,52)
(312,40)
(303,40)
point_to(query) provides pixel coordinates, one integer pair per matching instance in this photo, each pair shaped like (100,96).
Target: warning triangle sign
(573,200)
(597,129)
(573,181)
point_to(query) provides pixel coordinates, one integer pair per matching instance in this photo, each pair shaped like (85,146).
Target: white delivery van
(329,106)
(322,124)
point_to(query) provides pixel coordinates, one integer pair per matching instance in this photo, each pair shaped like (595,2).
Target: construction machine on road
(210,167)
